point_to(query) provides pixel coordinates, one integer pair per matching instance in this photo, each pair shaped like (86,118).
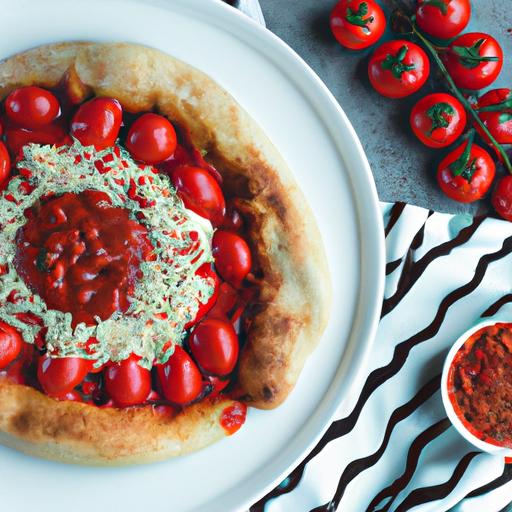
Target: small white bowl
(452,415)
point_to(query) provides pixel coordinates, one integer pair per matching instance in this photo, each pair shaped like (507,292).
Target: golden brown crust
(293,306)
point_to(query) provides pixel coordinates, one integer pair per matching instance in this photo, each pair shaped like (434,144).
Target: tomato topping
(32,107)
(466,173)
(180,378)
(11,343)
(495,110)
(97,123)
(357,24)
(200,192)
(206,270)
(52,134)
(398,69)
(127,383)
(233,417)
(474,60)
(218,385)
(151,139)
(438,120)
(443,19)
(214,345)
(502,198)
(232,257)
(59,376)
(5,164)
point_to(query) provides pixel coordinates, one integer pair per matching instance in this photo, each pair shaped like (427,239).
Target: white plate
(309,128)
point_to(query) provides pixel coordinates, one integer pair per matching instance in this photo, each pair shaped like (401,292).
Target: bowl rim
(452,415)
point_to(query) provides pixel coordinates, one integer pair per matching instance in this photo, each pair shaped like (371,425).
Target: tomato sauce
(480,384)
(81,255)
(233,417)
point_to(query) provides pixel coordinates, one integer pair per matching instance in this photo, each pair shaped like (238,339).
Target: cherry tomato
(232,256)
(32,107)
(127,383)
(200,192)
(11,343)
(180,378)
(438,120)
(502,197)
(474,60)
(59,376)
(206,270)
(97,123)
(495,110)
(218,385)
(16,138)
(357,24)
(398,69)
(214,345)
(151,139)
(466,176)
(443,19)
(5,164)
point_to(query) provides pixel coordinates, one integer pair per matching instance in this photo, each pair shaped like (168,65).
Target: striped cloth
(392,448)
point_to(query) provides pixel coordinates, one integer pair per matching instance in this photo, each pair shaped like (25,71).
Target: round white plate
(309,128)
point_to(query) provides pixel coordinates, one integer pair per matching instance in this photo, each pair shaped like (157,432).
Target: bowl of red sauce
(477,386)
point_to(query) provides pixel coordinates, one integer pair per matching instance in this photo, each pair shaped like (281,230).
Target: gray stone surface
(403,168)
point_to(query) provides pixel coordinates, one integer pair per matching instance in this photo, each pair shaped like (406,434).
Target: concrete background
(403,168)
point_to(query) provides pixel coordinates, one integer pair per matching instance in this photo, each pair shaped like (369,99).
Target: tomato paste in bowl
(477,386)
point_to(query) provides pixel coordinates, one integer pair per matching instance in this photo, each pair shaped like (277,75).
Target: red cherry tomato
(16,138)
(11,343)
(180,378)
(357,24)
(474,60)
(398,69)
(127,383)
(59,376)
(443,19)
(214,345)
(466,176)
(5,164)
(218,385)
(206,270)
(495,110)
(97,123)
(151,139)
(438,120)
(502,197)
(32,107)
(232,256)
(200,192)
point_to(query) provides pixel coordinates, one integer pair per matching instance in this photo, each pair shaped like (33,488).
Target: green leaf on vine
(395,64)
(438,113)
(358,17)
(461,166)
(469,56)
(442,5)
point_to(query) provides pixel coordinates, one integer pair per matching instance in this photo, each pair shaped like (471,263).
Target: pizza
(160,270)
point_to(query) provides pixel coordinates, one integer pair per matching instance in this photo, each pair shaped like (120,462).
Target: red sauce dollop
(480,384)
(233,417)
(81,255)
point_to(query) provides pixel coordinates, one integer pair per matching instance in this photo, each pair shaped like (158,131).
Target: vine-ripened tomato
(32,107)
(438,120)
(200,192)
(502,197)
(443,19)
(127,383)
(206,270)
(232,256)
(5,164)
(398,68)
(11,343)
(52,134)
(357,24)
(214,345)
(151,139)
(474,60)
(60,375)
(466,176)
(495,110)
(180,378)
(97,122)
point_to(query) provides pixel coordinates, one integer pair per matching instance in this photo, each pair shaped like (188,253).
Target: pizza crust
(293,305)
